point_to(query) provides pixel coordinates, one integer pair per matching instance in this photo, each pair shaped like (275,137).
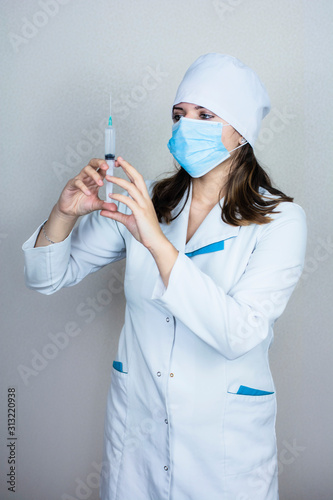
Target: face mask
(197,145)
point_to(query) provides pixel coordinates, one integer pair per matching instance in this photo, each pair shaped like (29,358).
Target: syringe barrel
(109,185)
(110,143)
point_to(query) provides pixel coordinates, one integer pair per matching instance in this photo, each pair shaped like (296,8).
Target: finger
(108,206)
(102,172)
(126,200)
(133,175)
(132,190)
(98,163)
(93,174)
(79,184)
(117,216)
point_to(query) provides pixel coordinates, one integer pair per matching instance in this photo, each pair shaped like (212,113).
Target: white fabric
(188,436)
(228,88)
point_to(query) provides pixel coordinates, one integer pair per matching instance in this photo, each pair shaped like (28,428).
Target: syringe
(110,146)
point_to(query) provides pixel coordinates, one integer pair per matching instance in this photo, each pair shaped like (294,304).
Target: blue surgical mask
(197,145)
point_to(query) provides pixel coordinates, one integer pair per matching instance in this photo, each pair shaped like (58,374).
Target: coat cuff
(41,263)
(161,293)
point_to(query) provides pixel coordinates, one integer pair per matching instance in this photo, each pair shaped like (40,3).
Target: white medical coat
(177,425)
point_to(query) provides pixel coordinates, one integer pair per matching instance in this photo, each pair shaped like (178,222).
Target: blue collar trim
(213,247)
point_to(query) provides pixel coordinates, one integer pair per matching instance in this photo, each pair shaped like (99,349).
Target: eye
(176,118)
(206,116)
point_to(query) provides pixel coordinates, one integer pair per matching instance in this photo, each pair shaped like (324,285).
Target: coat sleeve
(94,243)
(233,323)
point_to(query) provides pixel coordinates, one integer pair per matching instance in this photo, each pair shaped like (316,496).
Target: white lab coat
(175,427)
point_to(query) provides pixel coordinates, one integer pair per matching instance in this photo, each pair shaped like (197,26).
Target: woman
(213,255)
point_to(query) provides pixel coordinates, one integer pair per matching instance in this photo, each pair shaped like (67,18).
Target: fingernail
(120,158)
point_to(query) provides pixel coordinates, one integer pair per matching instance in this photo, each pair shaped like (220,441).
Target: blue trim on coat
(117,365)
(213,247)
(248,391)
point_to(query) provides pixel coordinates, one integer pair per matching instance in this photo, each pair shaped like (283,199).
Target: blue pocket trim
(248,391)
(117,365)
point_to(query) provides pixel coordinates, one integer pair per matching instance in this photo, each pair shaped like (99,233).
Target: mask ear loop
(244,141)
(238,147)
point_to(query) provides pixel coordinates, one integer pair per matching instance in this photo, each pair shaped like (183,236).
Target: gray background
(59,61)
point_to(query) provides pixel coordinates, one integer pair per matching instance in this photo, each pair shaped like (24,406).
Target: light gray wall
(59,61)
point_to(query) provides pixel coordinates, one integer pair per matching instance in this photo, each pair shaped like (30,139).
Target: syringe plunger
(110,146)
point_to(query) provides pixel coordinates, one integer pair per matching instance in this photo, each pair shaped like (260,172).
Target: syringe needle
(110,119)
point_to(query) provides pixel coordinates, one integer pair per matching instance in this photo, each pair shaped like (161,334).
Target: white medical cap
(229,89)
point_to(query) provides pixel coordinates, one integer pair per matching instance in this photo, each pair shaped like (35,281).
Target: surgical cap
(228,88)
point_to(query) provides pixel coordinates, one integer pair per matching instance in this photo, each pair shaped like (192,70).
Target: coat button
(158,374)
(167,319)
(166,420)
(166,467)
(171,374)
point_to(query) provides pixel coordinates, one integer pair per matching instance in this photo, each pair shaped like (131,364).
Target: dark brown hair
(242,204)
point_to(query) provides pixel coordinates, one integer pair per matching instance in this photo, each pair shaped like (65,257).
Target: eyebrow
(182,109)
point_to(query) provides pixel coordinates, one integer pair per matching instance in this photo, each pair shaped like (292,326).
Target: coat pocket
(116,411)
(249,431)
(250,391)
(114,432)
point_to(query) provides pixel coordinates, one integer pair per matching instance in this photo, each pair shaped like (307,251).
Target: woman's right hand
(80,195)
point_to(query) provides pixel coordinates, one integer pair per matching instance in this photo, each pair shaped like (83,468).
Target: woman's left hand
(142,223)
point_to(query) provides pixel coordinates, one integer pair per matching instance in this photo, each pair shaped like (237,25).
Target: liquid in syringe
(110,147)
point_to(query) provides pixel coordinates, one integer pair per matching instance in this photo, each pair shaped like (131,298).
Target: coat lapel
(176,231)
(209,236)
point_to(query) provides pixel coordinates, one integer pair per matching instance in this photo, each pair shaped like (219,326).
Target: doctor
(213,254)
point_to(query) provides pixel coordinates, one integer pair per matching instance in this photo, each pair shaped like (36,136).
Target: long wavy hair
(243,204)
